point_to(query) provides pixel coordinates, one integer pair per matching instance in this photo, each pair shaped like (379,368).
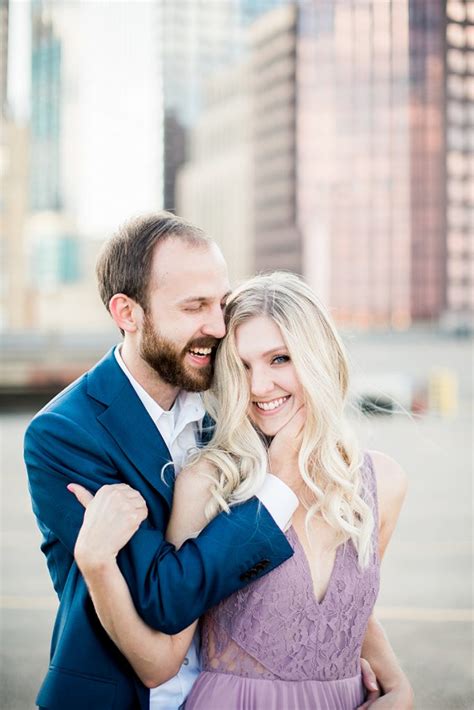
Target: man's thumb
(370,679)
(82,494)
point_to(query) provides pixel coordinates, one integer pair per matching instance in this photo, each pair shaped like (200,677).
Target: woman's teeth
(274,404)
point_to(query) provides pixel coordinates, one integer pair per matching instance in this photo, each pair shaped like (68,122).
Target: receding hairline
(189,241)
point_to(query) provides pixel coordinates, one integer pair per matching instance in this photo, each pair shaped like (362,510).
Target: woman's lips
(273,406)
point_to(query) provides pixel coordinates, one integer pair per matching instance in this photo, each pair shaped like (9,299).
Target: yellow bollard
(443,392)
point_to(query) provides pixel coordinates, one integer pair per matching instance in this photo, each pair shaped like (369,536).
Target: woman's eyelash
(281,358)
(277,359)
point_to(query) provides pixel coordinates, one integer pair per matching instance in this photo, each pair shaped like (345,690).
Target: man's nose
(215,325)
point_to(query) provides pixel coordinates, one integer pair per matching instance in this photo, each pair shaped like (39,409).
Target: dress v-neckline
(318,602)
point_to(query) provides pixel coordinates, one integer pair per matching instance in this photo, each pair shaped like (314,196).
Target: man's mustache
(202,343)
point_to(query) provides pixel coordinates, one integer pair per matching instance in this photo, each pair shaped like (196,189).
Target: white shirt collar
(188,406)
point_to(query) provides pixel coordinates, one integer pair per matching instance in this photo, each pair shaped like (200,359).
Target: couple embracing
(216,552)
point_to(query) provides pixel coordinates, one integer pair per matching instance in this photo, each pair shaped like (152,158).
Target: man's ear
(126,312)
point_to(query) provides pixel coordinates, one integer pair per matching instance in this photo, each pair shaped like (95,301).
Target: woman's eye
(279,359)
(193,309)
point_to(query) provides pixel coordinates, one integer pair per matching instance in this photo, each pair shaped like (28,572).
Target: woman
(293,638)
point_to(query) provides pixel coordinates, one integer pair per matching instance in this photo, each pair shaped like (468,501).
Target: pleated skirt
(222,691)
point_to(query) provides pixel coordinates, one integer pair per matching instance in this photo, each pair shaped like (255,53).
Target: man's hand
(370,683)
(399,698)
(396,699)
(284,450)
(112,517)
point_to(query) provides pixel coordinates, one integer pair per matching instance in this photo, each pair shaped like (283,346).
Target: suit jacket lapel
(126,419)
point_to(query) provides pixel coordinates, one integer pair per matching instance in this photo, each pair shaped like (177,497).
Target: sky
(18,58)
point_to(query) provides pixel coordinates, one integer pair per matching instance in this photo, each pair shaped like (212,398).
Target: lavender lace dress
(273,646)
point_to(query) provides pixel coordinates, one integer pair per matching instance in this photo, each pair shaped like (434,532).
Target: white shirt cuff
(279,500)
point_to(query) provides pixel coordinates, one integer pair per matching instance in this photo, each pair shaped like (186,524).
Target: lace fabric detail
(276,629)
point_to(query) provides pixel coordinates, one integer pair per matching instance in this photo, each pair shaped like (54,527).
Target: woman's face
(275,391)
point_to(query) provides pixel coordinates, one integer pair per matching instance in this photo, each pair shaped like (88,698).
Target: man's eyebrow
(194,299)
(202,299)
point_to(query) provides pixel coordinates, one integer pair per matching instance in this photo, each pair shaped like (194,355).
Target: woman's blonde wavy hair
(329,458)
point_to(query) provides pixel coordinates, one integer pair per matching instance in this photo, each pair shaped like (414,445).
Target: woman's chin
(269,428)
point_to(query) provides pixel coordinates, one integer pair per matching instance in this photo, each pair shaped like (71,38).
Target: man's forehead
(192,271)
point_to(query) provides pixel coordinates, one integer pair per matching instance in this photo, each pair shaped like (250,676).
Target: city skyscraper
(460,161)
(45,129)
(4,17)
(197,39)
(427,22)
(51,244)
(214,188)
(273,56)
(348,143)
(421,57)
(14,163)
(372,193)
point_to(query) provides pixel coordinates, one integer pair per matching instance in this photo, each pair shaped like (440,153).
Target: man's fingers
(82,494)
(368,676)
(370,683)
(371,698)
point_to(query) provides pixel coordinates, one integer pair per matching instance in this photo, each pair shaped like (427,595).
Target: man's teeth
(267,406)
(200,351)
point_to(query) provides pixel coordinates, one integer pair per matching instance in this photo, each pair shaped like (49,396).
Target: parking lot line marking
(412,613)
(23,602)
(400,613)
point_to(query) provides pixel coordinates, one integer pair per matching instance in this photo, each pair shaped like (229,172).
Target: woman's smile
(270,407)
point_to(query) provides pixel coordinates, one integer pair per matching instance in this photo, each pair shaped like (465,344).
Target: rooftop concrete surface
(425,601)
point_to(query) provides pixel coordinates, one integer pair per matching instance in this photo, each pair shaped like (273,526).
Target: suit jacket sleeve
(171,588)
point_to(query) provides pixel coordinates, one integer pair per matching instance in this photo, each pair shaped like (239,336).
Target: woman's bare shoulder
(392,484)
(391,477)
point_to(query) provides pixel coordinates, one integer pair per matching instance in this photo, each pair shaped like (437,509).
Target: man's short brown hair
(124,264)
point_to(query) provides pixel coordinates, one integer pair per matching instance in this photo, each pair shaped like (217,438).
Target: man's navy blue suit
(94,433)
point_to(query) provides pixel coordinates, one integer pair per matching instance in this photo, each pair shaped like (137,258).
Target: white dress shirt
(179,428)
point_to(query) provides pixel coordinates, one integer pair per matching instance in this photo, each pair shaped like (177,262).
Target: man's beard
(168,362)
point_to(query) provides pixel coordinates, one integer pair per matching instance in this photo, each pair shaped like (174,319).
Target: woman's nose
(261,384)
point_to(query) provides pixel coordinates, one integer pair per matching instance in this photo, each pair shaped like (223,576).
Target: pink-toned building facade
(347,105)
(427,158)
(460,161)
(370,137)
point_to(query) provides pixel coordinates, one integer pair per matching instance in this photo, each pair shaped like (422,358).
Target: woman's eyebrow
(280,348)
(274,350)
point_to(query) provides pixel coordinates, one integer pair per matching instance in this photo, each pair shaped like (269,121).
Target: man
(164,283)
(128,420)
